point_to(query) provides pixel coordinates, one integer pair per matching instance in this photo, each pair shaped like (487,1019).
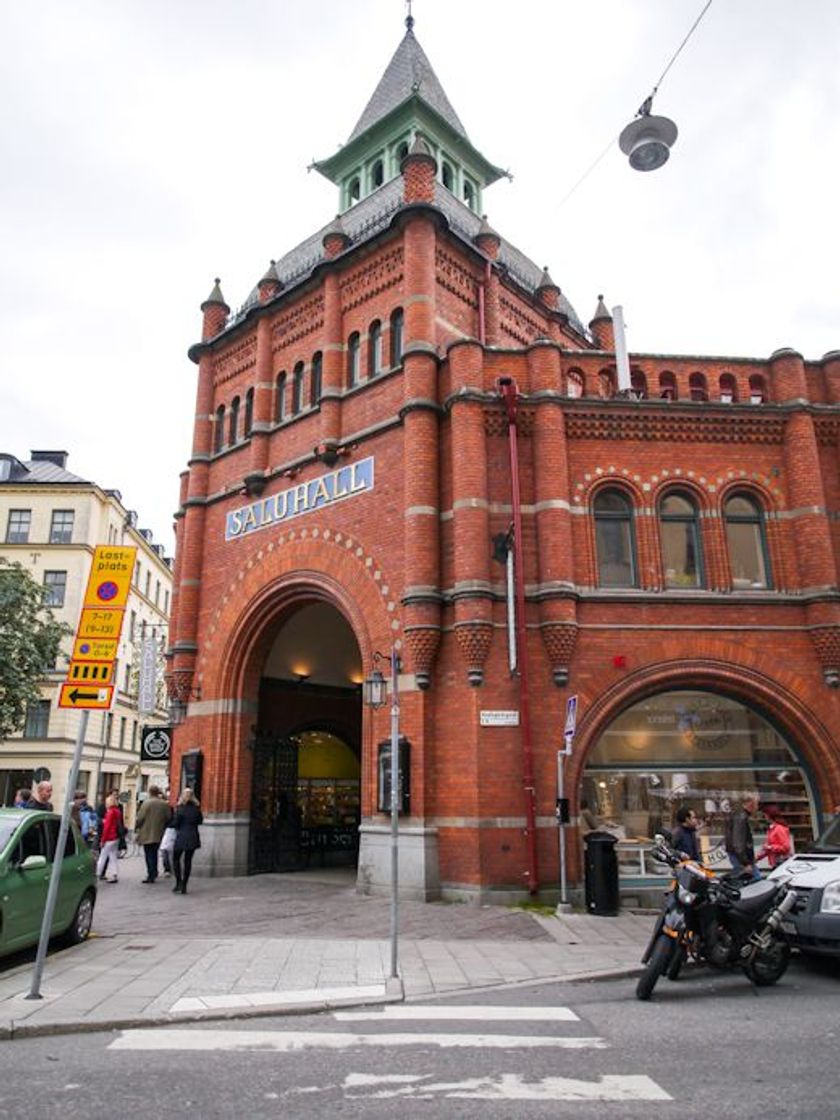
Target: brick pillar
(787,376)
(470,510)
(421,597)
(831,372)
(263,402)
(558,614)
(548,294)
(418,169)
(332,374)
(489,243)
(806,498)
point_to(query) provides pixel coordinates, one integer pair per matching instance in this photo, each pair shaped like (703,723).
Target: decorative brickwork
(422,643)
(372,278)
(517,324)
(299,321)
(474,640)
(236,359)
(826,641)
(559,639)
(452,276)
(674,426)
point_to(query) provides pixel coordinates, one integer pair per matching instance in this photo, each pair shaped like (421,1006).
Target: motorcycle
(716,920)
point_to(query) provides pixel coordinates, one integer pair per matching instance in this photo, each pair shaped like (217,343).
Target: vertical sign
(147,689)
(571,723)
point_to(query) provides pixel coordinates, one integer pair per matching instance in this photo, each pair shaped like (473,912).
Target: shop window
(37,723)
(249,413)
(680,533)
(746,542)
(353,360)
(667,386)
(61,526)
(297,389)
(55,588)
(758,389)
(280,398)
(317,378)
(219,431)
(233,427)
(574,383)
(397,324)
(614,539)
(17,530)
(698,390)
(701,750)
(728,389)
(375,348)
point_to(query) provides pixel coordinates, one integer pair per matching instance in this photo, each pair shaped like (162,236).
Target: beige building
(50,522)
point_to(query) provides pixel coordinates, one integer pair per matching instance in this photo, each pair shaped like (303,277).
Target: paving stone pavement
(277,943)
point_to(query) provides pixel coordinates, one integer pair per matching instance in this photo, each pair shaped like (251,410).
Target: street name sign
(499,719)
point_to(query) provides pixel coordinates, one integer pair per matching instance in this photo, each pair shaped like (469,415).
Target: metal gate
(275,817)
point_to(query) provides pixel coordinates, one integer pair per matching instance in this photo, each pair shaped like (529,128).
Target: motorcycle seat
(756,896)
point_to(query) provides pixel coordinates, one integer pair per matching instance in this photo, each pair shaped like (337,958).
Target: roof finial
(409,19)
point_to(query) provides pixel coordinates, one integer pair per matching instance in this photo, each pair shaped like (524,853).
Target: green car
(27,847)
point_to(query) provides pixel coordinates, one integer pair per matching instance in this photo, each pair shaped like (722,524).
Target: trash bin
(601,873)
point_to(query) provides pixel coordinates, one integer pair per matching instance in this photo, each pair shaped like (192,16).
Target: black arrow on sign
(76,696)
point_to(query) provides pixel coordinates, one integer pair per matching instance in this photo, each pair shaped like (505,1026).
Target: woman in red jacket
(778,844)
(111,827)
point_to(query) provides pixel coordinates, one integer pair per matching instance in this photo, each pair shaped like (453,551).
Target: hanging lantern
(647,141)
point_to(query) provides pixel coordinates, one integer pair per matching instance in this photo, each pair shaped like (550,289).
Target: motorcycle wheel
(770,964)
(677,961)
(658,962)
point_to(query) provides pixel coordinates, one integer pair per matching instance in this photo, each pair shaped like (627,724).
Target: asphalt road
(704,1046)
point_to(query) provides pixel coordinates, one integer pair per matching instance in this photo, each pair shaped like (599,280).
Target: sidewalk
(280,943)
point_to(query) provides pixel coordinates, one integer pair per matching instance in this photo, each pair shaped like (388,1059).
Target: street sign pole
(563,906)
(58,860)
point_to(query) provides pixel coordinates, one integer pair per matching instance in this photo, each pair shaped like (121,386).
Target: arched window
(614,539)
(574,383)
(233,437)
(758,390)
(469,195)
(746,542)
(667,386)
(606,383)
(680,531)
(219,432)
(317,378)
(697,387)
(447,175)
(728,388)
(353,360)
(249,412)
(397,320)
(297,389)
(280,398)
(375,348)
(377,174)
(638,383)
(402,151)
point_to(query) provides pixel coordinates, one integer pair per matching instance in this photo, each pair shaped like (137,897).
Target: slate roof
(41,471)
(409,72)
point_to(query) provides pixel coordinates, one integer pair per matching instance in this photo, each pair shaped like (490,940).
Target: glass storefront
(697,749)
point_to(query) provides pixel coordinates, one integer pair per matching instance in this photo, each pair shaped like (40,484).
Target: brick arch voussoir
(776,692)
(614,480)
(699,491)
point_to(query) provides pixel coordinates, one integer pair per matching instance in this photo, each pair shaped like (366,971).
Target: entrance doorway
(306,804)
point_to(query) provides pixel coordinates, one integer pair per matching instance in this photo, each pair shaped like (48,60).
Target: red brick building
(402,398)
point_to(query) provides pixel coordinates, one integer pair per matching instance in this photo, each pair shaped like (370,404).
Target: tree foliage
(30,638)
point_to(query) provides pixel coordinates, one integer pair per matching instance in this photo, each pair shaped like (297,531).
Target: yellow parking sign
(110,576)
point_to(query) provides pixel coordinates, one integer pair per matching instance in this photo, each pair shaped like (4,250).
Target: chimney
(57,458)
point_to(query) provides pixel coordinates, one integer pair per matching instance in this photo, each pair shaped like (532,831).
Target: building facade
(51,522)
(403,402)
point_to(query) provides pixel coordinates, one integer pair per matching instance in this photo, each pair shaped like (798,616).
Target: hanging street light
(647,141)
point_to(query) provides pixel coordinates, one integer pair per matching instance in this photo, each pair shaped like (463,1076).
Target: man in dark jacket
(152,818)
(738,837)
(40,798)
(684,838)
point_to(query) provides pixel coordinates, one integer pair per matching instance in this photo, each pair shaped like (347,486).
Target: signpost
(562,804)
(93,663)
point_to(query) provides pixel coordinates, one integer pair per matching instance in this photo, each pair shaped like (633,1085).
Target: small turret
(215,312)
(419,168)
(602,327)
(548,292)
(487,240)
(270,285)
(335,239)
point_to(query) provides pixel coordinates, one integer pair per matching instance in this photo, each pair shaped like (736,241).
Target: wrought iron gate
(275,817)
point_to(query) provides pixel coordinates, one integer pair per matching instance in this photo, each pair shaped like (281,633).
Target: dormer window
(447,175)
(469,195)
(377,174)
(354,190)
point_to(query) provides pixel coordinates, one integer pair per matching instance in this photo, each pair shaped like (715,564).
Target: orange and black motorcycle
(716,920)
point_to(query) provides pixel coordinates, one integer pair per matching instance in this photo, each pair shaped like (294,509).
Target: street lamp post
(374,692)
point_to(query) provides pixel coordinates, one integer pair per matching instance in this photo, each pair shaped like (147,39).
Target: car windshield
(830,839)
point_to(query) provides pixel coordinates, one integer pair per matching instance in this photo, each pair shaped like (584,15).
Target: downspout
(509,394)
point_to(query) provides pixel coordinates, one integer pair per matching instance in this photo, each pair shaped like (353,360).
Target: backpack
(90,823)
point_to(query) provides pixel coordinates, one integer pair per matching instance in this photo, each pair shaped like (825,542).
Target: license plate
(789,927)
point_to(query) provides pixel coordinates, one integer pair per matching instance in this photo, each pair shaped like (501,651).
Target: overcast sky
(149,146)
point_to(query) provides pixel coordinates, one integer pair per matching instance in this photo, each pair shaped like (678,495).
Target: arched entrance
(698,748)
(307,768)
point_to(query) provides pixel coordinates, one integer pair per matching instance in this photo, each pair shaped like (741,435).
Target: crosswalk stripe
(505,1087)
(422,1012)
(290,1041)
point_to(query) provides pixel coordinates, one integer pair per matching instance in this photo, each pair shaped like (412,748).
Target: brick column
(332,383)
(263,402)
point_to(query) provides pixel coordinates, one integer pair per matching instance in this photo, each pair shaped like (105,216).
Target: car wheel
(79,929)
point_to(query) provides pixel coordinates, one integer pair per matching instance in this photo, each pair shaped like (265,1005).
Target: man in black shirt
(684,838)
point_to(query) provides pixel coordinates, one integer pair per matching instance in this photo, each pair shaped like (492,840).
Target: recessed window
(148,584)
(728,389)
(249,413)
(574,383)
(280,398)
(402,151)
(354,190)
(397,323)
(17,531)
(667,387)
(638,383)
(469,195)
(746,543)
(697,387)
(317,378)
(233,434)
(61,526)
(219,432)
(758,389)
(680,531)
(377,174)
(614,539)
(606,383)
(55,588)
(448,176)
(375,348)
(297,389)
(37,720)
(353,360)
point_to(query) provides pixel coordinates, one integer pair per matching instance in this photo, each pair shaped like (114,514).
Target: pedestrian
(589,822)
(187,840)
(21,797)
(738,837)
(778,843)
(152,819)
(684,837)
(88,822)
(110,838)
(40,798)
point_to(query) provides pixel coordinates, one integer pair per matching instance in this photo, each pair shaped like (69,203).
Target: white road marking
(291,1041)
(446,1014)
(507,1087)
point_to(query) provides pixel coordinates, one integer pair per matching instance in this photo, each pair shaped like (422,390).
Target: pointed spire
(487,239)
(548,291)
(215,312)
(270,285)
(602,327)
(215,296)
(600,311)
(335,239)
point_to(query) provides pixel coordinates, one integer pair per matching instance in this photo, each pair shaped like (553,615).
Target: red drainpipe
(509,393)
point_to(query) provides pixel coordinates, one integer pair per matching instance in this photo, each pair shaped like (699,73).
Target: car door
(75,868)
(24,893)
